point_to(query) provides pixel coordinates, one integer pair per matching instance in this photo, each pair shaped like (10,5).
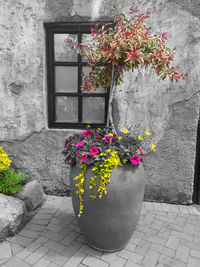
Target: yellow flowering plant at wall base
(4,161)
(9,179)
(102,150)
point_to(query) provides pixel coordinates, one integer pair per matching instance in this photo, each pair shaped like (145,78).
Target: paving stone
(118,262)
(109,257)
(53,265)
(75,259)
(143,247)
(55,258)
(195,253)
(29,233)
(172,242)
(193,262)
(90,251)
(163,250)
(151,259)
(22,240)
(71,249)
(42,263)
(69,238)
(168,261)
(16,262)
(55,246)
(34,227)
(93,262)
(52,235)
(130,247)
(36,255)
(5,252)
(37,243)
(132,264)
(182,253)
(23,254)
(16,248)
(130,256)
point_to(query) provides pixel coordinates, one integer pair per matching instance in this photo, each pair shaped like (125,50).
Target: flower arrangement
(117,48)
(104,150)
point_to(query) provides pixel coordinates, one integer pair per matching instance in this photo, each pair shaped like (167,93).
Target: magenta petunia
(87,132)
(78,152)
(80,144)
(70,162)
(98,137)
(83,157)
(135,160)
(66,144)
(114,138)
(94,150)
(107,138)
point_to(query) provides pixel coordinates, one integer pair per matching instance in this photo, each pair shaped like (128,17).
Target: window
(68,106)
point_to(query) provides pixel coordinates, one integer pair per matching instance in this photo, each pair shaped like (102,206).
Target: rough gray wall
(169,111)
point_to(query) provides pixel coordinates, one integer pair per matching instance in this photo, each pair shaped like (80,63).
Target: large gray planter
(108,223)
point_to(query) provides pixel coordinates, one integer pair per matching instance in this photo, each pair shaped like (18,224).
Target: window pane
(66,109)
(63,51)
(87,39)
(93,109)
(66,79)
(86,70)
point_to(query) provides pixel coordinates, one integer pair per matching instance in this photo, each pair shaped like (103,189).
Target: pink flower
(70,162)
(69,41)
(164,36)
(107,138)
(66,144)
(80,144)
(114,138)
(98,137)
(83,157)
(87,132)
(139,147)
(94,150)
(78,152)
(135,160)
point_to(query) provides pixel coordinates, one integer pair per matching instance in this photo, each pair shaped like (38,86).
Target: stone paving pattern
(166,235)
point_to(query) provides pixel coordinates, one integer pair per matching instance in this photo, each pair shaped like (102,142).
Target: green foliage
(10,182)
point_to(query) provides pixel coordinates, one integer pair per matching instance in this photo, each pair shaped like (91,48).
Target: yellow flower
(125,131)
(124,160)
(119,137)
(110,134)
(153,139)
(122,126)
(88,126)
(153,147)
(99,129)
(140,138)
(147,133)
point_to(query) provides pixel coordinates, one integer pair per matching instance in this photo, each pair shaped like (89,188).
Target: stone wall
(169,111)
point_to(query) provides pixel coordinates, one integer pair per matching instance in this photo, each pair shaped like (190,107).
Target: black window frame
(73,28)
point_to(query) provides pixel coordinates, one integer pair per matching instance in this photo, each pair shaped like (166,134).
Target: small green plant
(10,182)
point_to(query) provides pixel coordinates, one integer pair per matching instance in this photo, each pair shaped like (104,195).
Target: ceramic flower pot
(108,223)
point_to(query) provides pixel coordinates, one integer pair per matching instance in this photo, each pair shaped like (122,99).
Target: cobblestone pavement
(166,235)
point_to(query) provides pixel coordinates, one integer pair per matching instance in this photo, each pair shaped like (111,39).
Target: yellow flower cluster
(100,170)
(80,191)
(4,160)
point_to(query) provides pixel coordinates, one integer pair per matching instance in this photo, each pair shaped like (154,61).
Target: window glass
(93,109)
(63,51)
(66,78)
(66,109)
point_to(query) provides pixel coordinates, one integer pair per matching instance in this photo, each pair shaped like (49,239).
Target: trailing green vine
(103,171)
